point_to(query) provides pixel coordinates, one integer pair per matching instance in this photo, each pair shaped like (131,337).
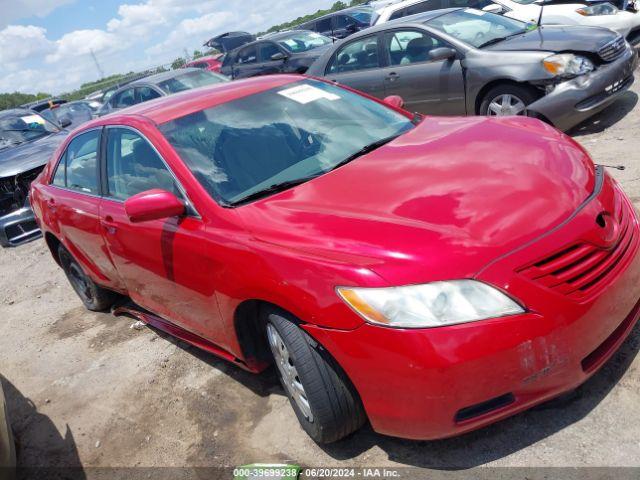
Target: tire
(333,409)
(518,93)
(93,297)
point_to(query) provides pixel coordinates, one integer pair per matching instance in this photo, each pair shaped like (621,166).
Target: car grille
(583,269)
(7,185)
(612,50)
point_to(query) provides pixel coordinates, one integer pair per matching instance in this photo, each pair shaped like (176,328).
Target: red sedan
(213,63)
(431,275)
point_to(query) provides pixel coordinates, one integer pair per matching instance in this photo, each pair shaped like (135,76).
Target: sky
(47,45)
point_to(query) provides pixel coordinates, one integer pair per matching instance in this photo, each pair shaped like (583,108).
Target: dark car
(285,52)
(229,41)
(159,85)
(343,23)
(469,62)
(27,140)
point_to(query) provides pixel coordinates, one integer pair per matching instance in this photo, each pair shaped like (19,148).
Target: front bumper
(575,100)
(440,382)
(18,227)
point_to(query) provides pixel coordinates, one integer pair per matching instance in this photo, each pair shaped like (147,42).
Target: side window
(133,166)
(406,47)
(145,94)
(124,99)
(248,55)
(359,55)
(267,49)
(422,7)
(323,25)
(59,179)
(341,21)
(82,162)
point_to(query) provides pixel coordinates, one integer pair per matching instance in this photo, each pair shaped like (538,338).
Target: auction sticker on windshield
(307,93)
(28,119)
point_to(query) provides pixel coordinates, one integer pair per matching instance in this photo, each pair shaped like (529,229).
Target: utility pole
(100,72)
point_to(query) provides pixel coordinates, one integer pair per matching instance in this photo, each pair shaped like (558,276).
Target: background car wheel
(508,100)
(320,393)
(93,297)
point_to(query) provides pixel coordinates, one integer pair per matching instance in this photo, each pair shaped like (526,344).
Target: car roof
(161,77)
(174,106)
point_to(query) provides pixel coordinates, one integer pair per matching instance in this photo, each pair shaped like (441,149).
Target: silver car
(469,62)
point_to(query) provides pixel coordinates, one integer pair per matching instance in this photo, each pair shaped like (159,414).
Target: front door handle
(393,76)
(109,225)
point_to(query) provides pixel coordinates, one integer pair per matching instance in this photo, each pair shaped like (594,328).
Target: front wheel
(505,100)
(93,297)
(321,395)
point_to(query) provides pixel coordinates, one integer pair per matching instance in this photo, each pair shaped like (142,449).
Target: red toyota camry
(429,275)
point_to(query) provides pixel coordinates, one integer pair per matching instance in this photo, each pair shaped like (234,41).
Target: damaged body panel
(27,141)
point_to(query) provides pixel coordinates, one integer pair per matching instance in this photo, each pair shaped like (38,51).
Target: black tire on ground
(93,297)
(335,405)
(526,94)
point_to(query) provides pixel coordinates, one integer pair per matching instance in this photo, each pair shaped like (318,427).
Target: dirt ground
(86,389)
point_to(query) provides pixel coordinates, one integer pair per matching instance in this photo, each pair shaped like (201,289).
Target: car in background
(74,113)
(212,63)
(342,23)
(284,52)
(27,141)
(431,275)
(470,62)
(159,85)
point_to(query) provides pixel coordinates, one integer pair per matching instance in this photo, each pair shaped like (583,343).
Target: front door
(162,262)
(357,65)
(434,87)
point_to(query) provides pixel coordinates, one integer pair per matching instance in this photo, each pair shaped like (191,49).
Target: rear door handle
(393,76)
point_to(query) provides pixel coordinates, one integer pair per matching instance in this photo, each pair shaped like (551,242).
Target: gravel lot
(86,389)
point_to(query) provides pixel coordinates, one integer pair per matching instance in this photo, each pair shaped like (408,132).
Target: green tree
(178,63)
(197,54)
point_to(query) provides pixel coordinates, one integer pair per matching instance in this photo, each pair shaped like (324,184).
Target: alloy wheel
(506,104)
(288,372)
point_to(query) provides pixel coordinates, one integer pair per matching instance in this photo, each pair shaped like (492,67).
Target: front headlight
(599,9)
(567,65)
(429,305)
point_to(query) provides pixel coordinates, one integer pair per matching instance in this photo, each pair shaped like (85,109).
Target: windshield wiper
(500,39)
(271,189)
(366,149)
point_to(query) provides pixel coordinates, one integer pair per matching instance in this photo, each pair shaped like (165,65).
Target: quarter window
(133,166)
(81,163)
(358,55)
(406,47)
(59,177)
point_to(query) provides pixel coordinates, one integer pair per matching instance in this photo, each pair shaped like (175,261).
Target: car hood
(27,156)
(439,202)
(556,38)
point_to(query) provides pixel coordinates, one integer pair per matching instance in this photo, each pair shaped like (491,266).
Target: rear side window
(133,166)
(248,55)
(359,55)
(124,99)
(146,93)
(78,169)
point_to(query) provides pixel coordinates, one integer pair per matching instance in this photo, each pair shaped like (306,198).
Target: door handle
(52,205)
(393,76)
(109,225)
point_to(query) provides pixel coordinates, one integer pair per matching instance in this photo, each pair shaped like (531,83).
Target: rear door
(427,86)
(246,62)
(73,197)
(357,65)
(162,262)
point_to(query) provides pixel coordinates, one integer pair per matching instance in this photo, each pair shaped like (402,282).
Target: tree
(197,54)
(15,99)
(178,63)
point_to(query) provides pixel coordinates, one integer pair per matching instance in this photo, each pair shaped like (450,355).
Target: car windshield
(303,41)
(23,127)
(478,28)
(190,80)
(264,143)
(363,16)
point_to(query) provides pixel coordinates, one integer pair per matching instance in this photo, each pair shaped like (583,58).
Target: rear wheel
(321,395)
(507,99)
(93,297)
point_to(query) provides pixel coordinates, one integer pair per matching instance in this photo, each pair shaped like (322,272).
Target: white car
(593,14)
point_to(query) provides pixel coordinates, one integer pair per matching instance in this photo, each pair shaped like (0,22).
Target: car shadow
(607,117)
(503,438)
(41,451)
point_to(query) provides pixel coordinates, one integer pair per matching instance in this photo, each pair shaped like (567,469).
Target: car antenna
(617,167)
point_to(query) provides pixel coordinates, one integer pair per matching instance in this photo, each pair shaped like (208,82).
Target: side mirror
(394,100)
(64,121)
(493,8)
(153,205)
(278,56)
(442,53)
